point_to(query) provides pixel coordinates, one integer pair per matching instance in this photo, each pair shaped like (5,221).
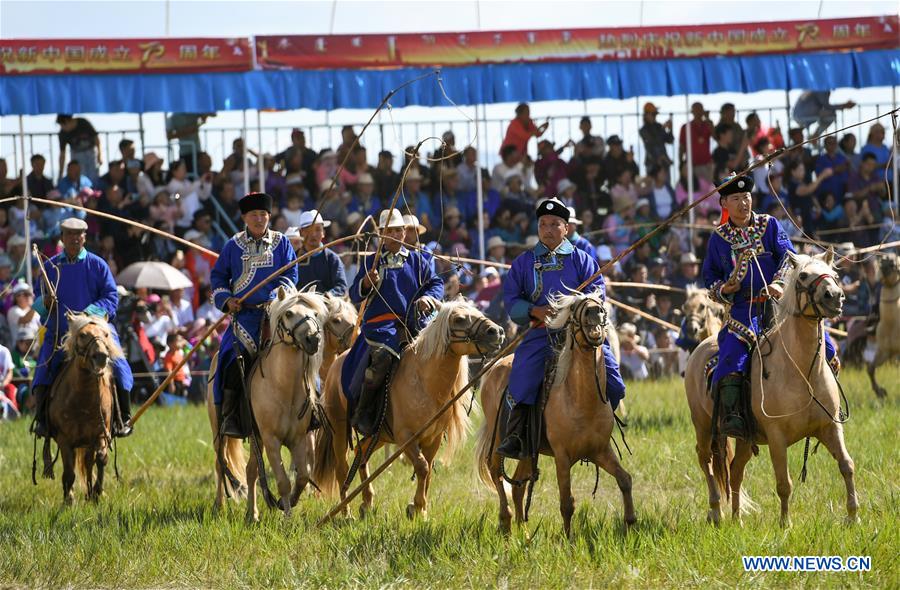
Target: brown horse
(81,404)
(578,419)
(282,395)
(794,396)
(431,370)
(888,320)
(702,315)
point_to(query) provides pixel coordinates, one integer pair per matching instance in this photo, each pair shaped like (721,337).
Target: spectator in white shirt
(21,315)
(182,308)
(634,356)
(511,160)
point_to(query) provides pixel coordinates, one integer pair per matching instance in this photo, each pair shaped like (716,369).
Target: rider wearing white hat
(324,269)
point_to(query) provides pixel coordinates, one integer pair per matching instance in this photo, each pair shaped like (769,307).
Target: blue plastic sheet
(485,84)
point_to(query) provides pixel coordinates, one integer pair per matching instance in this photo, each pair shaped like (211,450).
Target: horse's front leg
(778,453)
(102,460)
(704,458)
(421,468)
(566,500)
(833,439)
(302,456)
(880,358)
(219,443)
(89,460)
(273,452)
(252,475)
(68,478)
(523,472)
(609,462)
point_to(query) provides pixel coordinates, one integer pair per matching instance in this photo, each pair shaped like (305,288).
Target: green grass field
(156,527)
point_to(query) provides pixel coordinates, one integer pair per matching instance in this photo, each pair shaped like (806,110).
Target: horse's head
(699,313)
(340,323)
(584,314)
(297,318)
(812,288)
(89,343)
(461,328)
(890,270)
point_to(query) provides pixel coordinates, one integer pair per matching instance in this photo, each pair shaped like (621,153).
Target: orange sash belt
(382,318)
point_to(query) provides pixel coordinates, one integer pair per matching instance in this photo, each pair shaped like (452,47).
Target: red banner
(433,49)
(56,56)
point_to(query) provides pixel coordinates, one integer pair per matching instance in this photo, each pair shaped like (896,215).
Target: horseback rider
(246,260)
(745,262)
(324,270)
(553,266)
(403,278)
(83,283)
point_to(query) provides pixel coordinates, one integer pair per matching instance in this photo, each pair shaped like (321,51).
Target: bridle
(475,333)
(83,352)
(289,335)
(343,338)
(809,290)
(579,323)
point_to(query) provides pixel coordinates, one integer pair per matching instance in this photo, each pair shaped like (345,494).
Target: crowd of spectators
(831,191)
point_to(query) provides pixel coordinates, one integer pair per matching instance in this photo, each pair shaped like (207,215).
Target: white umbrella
(153,275)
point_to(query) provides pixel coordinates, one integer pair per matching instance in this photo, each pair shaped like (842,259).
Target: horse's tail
(325,467)
(81,467)
(483,450)
(722,454)
(458,429)
(236,462)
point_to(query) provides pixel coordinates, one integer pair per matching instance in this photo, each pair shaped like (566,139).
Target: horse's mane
(786,306)
(79,321)
(434,339)
(309,299)
(562,304)
(691,292)
(339,305)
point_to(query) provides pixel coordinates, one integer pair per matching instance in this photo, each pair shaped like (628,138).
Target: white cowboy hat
(311,217)
(390,218)
(413,221)
(494,242)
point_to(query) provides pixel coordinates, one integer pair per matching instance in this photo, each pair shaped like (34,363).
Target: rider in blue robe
(83,283)
(248,259)
(402,279)
(534,276)
(736,280)
(324,269)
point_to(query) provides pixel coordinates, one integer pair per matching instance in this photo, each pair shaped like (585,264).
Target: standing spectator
(386,179)
(875,145)
(800,192)
(701,133)
(9,407)
(755,131)
(591,145)
(299,159)
(6,277)
(835,184)
(8,186)
(190,194)
(701,187)
(115,176)
(655,137)
(522,128)
(21,315)
(727,117)
(38,184)
(185,127)
(174,355)
(725,159)
(866,181)
(74,182)
(276,184)
(805,154)
(662,195)
(79,135)
(510,160)
(126,149)
(813,107)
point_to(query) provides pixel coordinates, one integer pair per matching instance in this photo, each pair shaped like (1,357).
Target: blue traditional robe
(534,276)
(403,278)
(582,243)
(244,263)
(324,271)
(764,236)
(83,284)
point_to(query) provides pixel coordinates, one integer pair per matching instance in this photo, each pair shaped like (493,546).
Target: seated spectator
(725,159)
(38,184)
(565,192)
(510,160)
(21,315)
(6,229)
(496,252)
(661,193)
(617,226)
(663,360)
(74,181)
(189,194)
(412,162)
(469,171)
(875,145)
(293,211)
(454,230)
(418,202)
(847,146)
(504,226)
(365,201)
(153,174)
(836,183)
(514,195)
(591,145)
(8,186)
(9,406)
(357,165)
(549,169)
(867,181)
(24,357)
(164,209)
(386,179)
(655,137)
(448,195)
(858,217)
(738,141)
(831,214)
(617,159)
(174,355)
(634,356)
(624,190)
(702,187)
(801,193)
(234,165)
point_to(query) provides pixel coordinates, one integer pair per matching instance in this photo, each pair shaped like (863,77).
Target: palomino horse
(81,403)
(432,369)
(888,319)
(702,316)
(282,395)
(340,331)
(578,419)
(794,393)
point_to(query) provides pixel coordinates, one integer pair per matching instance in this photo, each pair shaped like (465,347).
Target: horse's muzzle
(98,362)
(310,343)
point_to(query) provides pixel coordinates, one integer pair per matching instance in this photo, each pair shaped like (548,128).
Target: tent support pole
(893,152)
(479,185)
(141,133)
(259,159)
(246,163)
(27,223)
(690,169)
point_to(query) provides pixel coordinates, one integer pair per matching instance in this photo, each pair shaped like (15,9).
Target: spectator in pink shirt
(522,128)
(701,133)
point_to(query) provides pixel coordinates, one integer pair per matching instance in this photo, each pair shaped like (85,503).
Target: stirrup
(511,447)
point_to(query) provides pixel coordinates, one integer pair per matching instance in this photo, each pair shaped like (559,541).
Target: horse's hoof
(630,522)
(251,518)
(713,517)
(365,511)
(410,511)
(786,523)
(851,520)
(881,392)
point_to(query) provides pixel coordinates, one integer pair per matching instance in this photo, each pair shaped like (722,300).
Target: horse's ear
(70,315)
(793,259)
(281,294)
(828,256)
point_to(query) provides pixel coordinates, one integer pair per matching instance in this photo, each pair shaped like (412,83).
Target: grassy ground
(157,528)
